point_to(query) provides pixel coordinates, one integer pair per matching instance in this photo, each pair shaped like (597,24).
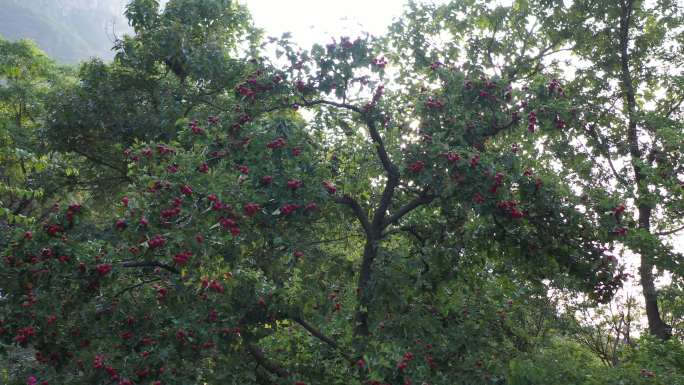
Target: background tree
(618,137)
(28,173)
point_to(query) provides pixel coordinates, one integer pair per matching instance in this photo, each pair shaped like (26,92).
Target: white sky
(317,21)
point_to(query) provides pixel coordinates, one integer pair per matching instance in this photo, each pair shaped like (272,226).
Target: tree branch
(670,232)
(137,285)
(317,333)
(266,363)
(423,198)
(357,210)
(150,264)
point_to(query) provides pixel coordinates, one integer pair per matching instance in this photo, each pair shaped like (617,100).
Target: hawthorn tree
(180,60)
(367,244)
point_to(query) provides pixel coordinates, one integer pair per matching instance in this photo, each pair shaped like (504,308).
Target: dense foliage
(411,208)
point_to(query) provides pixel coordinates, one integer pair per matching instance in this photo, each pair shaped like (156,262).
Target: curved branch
(670,232)
(357,210)
(423,198)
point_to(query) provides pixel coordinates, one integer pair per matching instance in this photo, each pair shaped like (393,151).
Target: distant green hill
(68,31)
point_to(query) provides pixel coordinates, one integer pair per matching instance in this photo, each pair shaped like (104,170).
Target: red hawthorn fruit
(478,198)
(124,201)
(619,209)
(276,143)
(243,169)
(288,208)
(142,373)
(199,238)
(531,121)
(103,269)
(112,372)
(294,184)
(213,315)
(434,103)
(28,235)
(266,180)
(417,166)
(296,151)
(311,206)
(330,187)
(453,157)
(380,62)
(178,201)
(144,222)
(203,168)
(156,242)
(54,229)
(298,254)
(127,335)
(173,168)
(251,209)
(163,149)
(227,223)
(186,190)
(182,258)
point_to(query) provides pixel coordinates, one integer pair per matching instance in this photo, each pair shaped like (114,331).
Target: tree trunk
(655,323)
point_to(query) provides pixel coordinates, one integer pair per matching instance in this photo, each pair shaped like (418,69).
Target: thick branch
(357,210)
(150,264)
(266,363)
(390,168)
(101,162)
(317,333)
(346,106)
(423,198)
(606,153)
(137,285)
(311,103)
